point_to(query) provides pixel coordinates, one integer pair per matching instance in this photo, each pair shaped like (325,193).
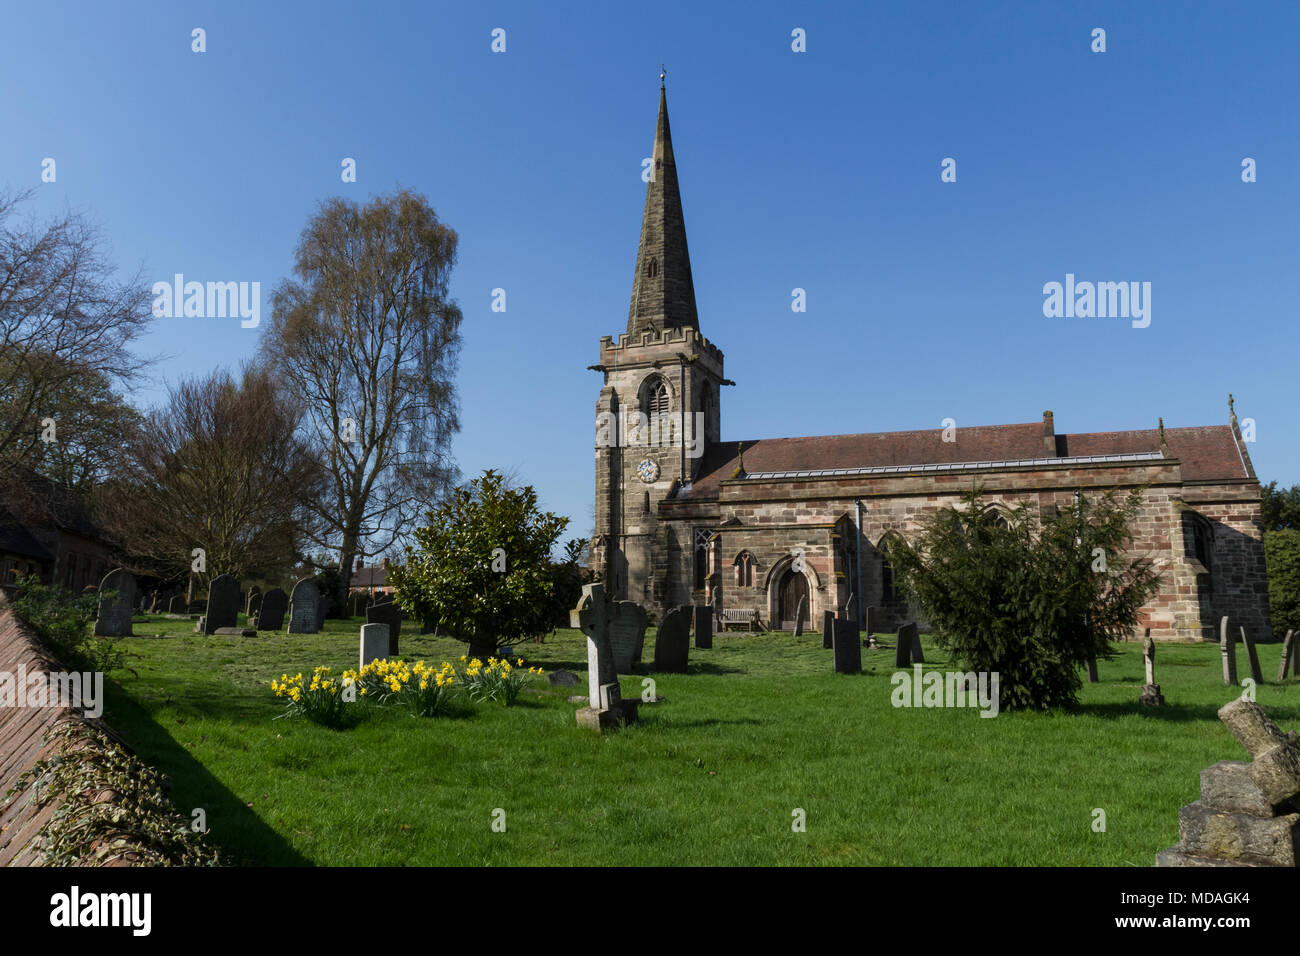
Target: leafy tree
(1279,510)
(456,574)
(1030,600)
(1282,555)
(367,338)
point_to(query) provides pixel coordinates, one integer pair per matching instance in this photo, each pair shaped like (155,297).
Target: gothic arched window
(744,570)
(656,398)
(652,268)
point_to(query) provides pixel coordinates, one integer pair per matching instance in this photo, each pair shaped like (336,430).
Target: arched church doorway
(792,588)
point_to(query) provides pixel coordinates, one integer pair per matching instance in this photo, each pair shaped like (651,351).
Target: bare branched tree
(368,340)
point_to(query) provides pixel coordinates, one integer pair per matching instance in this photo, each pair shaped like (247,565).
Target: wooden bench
(740,617)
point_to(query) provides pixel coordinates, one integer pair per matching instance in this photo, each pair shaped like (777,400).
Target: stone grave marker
(223,603)
(235,632)
(562,679)
(1288,662)
(177,605)
(1228,651)
(1247,814)
(1151,695)
(918,656)
(798,617)
(270,617)
(374,643)
(673,642)
(903,647)
(1091,664)
(847,647)
(302,607)
(703,626)
(322,609)
(871,624)
(254,601)
(114,616)
(626,622)
(605,708)
(1252,655)
(388,613)
(828,630)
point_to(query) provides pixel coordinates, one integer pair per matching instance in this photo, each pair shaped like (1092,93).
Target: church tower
(658,411)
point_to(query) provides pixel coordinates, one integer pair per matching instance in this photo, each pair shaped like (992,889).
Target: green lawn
(758,728)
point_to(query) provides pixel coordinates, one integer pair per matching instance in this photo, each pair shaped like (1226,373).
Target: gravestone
(903,647)
(1288,663)
(158,602)
(1091,664)
(223,603)
(359,605)
(918,656)
(254,601)
(828,630)
(322,609)
(177,605)
(626,623)
(270,617)
(114,616)
(201,625)
(847,647)
(374,643)
(703,626)
(1151,695)
(798,617)
(388,613)
(605,708)
(1228,651)
(1247,814)
(235,632)
(871,624)
(302,607)
(673,641)
(562,679)
(1253,657)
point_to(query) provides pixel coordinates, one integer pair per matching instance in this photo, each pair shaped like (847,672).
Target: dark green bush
(1282,554)
(62,621)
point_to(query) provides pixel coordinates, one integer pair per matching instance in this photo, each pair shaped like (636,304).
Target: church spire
(663,294)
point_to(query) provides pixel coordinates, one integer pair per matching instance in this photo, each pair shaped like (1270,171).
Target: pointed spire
(663,292)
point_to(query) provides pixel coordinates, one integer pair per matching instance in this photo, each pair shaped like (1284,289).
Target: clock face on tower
(647,470)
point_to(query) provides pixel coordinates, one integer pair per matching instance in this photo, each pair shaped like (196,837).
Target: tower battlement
(630,344)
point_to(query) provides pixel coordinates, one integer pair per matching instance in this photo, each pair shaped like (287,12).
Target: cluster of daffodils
(320,698)
(427,690)
(498,679)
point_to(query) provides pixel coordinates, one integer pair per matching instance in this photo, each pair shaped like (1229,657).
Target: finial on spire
(663,72)
(1232,409)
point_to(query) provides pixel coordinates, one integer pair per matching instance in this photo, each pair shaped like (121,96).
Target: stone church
(685,518)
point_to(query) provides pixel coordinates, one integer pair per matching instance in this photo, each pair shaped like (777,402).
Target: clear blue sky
(819,170)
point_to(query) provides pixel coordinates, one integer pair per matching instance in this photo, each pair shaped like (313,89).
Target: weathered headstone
(798,617)
(918,656)
(626,622)
(223,603)
(114,616)
(1151,695)
(903,647)
(235,632)
(374,643)
(1252,655)
(871,623)
(254,601)
(673,642)
(562,679)
(1228,651)
(828,630)
(303,603)
(388,613)
(847,647)
(271,615)
(178,605)
(1091,664)
(1247,814)
(1288,663)
(605,708)
(322,609)
(703,626)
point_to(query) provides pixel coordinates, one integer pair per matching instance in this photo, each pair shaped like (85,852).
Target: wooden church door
(793,587)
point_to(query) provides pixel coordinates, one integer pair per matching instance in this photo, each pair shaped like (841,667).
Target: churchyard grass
(757,728)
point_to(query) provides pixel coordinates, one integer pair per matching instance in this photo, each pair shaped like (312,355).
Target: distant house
(46,531)
(371,580)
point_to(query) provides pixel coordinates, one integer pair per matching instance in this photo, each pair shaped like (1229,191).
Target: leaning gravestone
(302,607)
(223,603)
(1287,664)
(114,616)
(673,642)
(703,626)
(903,648)
(828,630)
(1247,814)
(177,605)
(1151,695)
(1251,654)
(271,615)
(374,643)
(798,617)
(848,647)
(1228,651)
(389,614)
(605,708)
(626,622)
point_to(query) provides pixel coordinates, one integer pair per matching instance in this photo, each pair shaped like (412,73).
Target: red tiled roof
(1206,452)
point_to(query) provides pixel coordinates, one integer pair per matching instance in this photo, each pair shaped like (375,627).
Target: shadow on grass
(656,720)
(250,841)
(1170,712)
